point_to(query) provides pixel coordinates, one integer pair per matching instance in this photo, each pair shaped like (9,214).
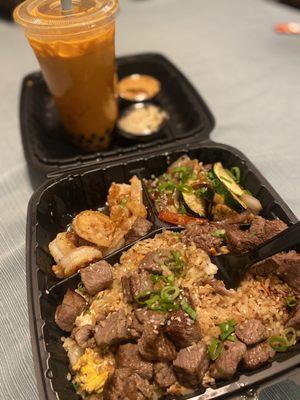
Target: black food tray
(51,209)
(47,148)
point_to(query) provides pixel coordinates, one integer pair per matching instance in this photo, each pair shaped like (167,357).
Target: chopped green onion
(236,173)
(291,301)
(215,349)
(152,301)
(231,337)
(290,335)
(184,188)
(80,287)
(155,278)
(169,307)
(169,293)
(183,169)
(166,187)
(123,202)
(76,386)
(278,343)
(142,297)
(219,233)
(170,279)
(227,328)
(188,309)
(175,262)
(201,192)
(183,173)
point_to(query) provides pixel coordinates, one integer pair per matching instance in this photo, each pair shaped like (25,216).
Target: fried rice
(257,297)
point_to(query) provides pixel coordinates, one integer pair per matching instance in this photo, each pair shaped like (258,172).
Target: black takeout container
(81,182)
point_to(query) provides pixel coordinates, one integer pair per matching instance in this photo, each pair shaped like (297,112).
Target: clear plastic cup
(76,52)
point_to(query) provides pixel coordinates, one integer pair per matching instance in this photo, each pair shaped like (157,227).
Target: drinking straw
(66,5)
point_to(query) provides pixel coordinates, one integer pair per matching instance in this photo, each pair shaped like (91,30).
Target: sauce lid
(47,18)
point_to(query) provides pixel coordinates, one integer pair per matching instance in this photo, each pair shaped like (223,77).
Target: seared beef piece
(285,265)
(182,330)
(226,365)
(202,236)
(125,280)
(132,285)
(154,346)
(97,277)
(140,282)
(71,307)
(128,356)
(145,316)
(135,327)
(218,287)
(191,364)
(154,259)
(289,269)
(164,375)
(238,218)
(258,355)
(140,228)
(124,384)
(251,331)
(84,336)
(260,231)
(142,316)
(265,267)
(114,329)
(294,321)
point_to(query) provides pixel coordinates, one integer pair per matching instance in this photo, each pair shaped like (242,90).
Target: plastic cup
(76,52)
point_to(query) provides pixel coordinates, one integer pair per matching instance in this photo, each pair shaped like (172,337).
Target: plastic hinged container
(76,182)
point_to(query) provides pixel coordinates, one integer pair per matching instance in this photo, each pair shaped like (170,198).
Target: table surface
(249,76)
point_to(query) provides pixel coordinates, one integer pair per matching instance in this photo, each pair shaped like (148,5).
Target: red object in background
(290,28)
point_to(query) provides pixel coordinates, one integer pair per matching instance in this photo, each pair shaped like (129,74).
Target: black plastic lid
(48,151)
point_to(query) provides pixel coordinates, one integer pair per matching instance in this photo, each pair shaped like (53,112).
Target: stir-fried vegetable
(178,219)
(190,189)
(215,349)
(236,174)
(227,178)
(291,301)
(195,203)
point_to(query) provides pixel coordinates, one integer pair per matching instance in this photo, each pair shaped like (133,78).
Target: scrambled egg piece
(92,370)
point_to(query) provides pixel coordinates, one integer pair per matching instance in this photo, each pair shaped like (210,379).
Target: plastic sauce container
(142,121)
(138,87)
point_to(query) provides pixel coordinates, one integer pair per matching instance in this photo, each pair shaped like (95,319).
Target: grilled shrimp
(76,259)
(118,241)
(95,227)
(62,245)
(136,190)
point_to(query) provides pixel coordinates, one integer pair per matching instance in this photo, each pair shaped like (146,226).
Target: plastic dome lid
(46,16)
